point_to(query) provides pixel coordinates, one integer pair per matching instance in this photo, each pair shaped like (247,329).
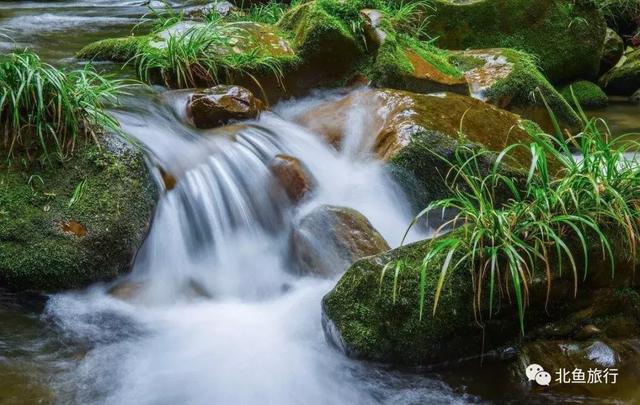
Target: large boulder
(623,79)
(323,41)
(71,224)
(373,312)
(329,239)
(219,105)
(566,36)
(413,131)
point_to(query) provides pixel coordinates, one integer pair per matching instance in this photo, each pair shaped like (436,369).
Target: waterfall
(219,316)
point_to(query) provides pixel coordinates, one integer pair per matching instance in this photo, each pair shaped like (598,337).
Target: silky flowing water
(218,316)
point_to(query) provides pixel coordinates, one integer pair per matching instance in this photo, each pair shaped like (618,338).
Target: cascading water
(218,315)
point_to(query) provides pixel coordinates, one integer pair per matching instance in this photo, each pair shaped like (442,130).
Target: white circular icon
(532,370)
(543,378)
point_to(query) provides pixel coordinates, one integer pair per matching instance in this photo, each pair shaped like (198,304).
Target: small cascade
(218,314)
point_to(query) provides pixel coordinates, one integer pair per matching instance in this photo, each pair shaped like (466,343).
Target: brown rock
(218,105)
(292,176)
(329,239)
(394,116)
(168,179)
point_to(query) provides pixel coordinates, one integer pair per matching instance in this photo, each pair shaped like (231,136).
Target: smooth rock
(219,105)
(329,239)
(291,175)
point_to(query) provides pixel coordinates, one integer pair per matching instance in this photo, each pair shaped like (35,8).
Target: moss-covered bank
(67,225)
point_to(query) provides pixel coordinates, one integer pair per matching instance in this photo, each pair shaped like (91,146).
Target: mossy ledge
(66,225)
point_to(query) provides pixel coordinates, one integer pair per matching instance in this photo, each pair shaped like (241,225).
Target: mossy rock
(511,80)
(624,79)
(365,318)
(114,49)
(361,316)
(323,39)
(588,95)
(414,131)
(67,225)
(613,51)
(401,62)
(565,36)
(248,43)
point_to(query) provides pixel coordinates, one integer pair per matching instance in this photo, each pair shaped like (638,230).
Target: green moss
(567,37)
(392,67)
(323,35)
(587,94)
(525,90)
(374,326)
(114,49)
(114,209)
(624,79)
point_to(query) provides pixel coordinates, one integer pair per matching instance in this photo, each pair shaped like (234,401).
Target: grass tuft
(578,194)
(45,111)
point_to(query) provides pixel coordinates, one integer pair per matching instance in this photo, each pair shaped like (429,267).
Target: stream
(218,317)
